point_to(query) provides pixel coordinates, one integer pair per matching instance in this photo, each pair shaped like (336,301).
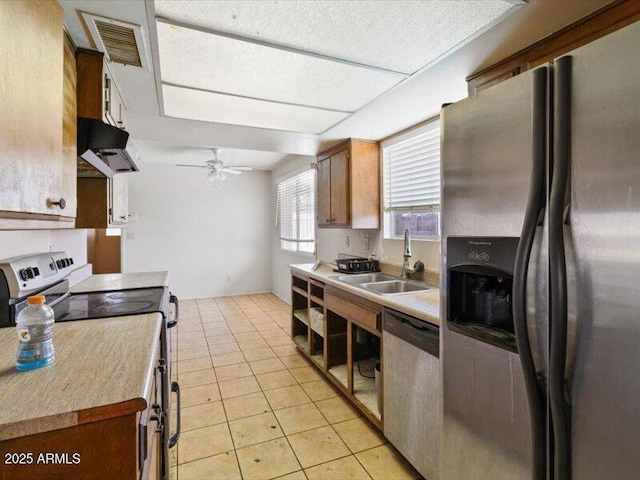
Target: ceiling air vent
(120,41)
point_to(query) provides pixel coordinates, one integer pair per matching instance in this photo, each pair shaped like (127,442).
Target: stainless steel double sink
(380,283)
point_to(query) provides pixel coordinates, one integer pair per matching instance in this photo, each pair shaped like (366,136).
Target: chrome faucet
(407,270)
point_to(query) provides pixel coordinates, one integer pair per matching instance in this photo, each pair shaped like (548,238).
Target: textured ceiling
(196,59)
(301,66)
(398,35)
(213,107)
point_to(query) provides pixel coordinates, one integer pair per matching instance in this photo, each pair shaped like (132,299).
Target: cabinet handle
(123,217)
(328,220)
(62,203)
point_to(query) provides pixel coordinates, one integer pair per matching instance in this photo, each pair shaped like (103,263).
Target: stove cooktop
(86,306)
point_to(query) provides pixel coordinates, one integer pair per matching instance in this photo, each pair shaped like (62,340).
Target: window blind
(295,218)
(411,169)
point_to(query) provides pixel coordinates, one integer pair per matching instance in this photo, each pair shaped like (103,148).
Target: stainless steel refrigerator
(540,343)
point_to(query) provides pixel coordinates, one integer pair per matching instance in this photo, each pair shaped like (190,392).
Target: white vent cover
(121,42)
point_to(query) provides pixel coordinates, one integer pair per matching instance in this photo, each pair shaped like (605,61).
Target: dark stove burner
(85,306)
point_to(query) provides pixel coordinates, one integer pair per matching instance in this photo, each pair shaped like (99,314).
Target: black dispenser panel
(479,289)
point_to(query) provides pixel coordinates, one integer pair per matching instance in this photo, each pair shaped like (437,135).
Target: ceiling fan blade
(229,170)
(194,166)
(242,168)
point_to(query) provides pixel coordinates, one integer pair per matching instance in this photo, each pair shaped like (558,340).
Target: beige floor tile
(204,442)
(384,462)
(321,445)
(196,378)
(230,372)
(203,415)
(218,467)
(173,454)
(190,327)
(359,434)
(246,345)
(267,365)
(247,336)
(220,339)
(279,340)
(272,332)
(200,342)
(299,475)
(300,418)
(285,350)
(320,390)
(337,409)
(173,473)
(199,395)
(192,365)
(258,354)
(267,460)
(227,359)
(193,353)
(286,397)
(246,405)
(344,468)
(275,380)
(306,374)
(223,348)
(294,361)
(238,386)
(256,429)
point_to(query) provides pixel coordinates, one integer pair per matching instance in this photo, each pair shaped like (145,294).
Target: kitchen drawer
(365,317)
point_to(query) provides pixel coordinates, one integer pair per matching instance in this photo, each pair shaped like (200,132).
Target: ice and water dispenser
(479,289)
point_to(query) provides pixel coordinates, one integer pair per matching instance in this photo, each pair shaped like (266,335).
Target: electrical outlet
(347,240)
(367,240)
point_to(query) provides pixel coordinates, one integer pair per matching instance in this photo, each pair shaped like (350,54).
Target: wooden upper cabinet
(349,185)
(611,17)
(37,125)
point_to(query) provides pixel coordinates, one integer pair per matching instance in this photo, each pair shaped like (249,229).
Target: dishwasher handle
(418,333)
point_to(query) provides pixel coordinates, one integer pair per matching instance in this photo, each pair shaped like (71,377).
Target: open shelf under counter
(341,374)
(302,315)
(302,341)
(299,291)
(364,389)
(318,359)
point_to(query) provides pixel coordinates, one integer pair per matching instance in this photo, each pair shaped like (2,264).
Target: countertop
(103,368)
(424,305)
(121,281)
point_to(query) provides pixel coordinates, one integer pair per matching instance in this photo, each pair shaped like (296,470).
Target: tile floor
(254,408)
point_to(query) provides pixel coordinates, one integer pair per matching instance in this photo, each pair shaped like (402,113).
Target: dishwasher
(411,390)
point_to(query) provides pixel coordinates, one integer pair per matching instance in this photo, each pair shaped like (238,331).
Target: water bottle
(35,329)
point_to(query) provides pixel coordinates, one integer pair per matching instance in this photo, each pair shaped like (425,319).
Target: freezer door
(604,258)
(486,169)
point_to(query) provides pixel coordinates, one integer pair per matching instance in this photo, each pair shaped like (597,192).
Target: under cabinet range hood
(102,149)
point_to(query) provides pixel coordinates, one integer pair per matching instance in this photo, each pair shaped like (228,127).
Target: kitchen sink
(361,278)
(393,287)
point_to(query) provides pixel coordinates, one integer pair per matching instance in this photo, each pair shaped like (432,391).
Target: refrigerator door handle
(535,211)
(558,215)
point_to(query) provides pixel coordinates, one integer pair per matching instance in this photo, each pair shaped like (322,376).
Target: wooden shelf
(364,389)
(300,291)
(318,359)
(316,300)
(302,341)
(341,374)
(302,315)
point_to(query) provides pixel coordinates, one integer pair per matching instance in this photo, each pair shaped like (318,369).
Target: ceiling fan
(216,167)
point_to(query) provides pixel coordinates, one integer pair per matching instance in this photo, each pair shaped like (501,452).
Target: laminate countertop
(103,368)
(424,305)
(107,282)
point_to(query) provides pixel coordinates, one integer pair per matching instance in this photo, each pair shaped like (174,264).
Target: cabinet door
(324,192)
(119,200)
(340,189)
(31,79)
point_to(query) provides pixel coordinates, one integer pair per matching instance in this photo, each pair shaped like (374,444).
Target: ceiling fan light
(216,176)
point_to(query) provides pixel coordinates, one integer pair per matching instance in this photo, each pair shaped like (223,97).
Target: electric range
(47,274)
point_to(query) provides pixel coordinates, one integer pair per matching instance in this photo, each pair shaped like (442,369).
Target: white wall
(214,242)
(22,242)
(280,260)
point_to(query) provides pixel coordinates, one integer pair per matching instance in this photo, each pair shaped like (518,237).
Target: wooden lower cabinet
(122,447)
(341,334)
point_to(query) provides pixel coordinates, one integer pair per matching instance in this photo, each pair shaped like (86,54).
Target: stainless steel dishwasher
(411,389)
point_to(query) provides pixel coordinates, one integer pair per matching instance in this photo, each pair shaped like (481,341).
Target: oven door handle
(175,388)
(173,299)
